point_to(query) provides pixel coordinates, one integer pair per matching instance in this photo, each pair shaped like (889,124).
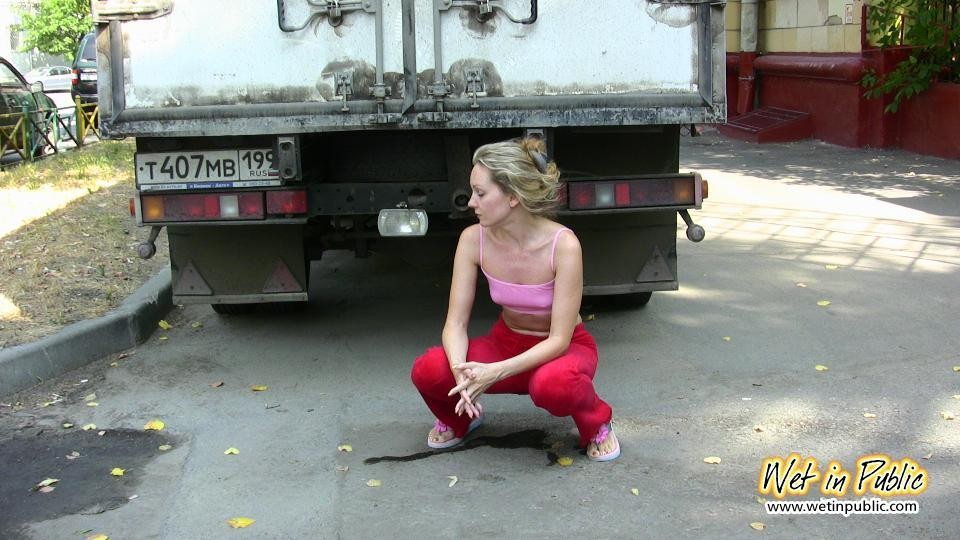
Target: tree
(55,26)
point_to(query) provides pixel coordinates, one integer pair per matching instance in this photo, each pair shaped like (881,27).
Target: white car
(54,78)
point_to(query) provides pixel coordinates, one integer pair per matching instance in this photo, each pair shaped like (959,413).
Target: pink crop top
(529,299)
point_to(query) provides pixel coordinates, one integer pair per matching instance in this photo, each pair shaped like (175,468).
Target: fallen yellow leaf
(89,427)
(374,483)
(802,285)
(164,324)
(154,425)
(956,396)
(869,415)
(956,369)
(928,456)
(90,397)
(114,364)
(164,447)
(821,367)
(117,471)
(590,317)
(48,482)
(163,338)
(759,499)
(712,460)
(757,526)
(831,266)
(947,415)
(345,448)
(258,388)
(564,461)
(635,491)
(47,403)
(67,425)
(727,338)
(46,489)
(98,537)
(92,404)
(453,481)
(823,303)
(197,324)
(217,384)
(240,522)
(231,451)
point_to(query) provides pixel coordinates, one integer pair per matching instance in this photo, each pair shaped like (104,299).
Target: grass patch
(67,241)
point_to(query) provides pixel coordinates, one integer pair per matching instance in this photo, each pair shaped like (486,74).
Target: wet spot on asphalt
(86,485)
(530,438)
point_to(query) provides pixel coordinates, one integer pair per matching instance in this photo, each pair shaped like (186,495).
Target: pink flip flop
(441,428)
(602,436)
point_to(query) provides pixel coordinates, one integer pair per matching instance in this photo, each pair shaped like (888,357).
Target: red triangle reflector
(281,280)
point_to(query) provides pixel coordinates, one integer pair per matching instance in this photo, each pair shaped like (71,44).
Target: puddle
(85,486)
(534,439)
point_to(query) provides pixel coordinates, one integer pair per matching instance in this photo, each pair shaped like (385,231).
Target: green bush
(932,28)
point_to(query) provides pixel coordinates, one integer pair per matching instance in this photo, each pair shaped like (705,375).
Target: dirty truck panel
(268,133)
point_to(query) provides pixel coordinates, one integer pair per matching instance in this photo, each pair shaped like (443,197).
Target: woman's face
(488,200)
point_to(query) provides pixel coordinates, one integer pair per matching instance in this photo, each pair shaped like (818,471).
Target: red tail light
(201,207)
(677,191)
(287,202)
(76,77)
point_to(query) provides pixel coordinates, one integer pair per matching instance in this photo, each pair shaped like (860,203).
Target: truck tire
(233,309)
(632,300)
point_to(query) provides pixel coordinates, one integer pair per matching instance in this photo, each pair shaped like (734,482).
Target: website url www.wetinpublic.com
(841,507)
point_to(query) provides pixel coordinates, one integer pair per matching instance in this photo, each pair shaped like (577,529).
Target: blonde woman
(539,345)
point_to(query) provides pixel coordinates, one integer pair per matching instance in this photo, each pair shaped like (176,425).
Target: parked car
(84,82)
(15,96)
(53,78)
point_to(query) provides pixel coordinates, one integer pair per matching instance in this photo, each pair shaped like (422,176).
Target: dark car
(84,84)
(17,97)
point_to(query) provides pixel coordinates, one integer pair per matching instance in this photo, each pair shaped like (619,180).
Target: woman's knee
(558,390)
(430,369)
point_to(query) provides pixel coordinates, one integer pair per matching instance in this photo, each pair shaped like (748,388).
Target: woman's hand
(465,405)
(476,379)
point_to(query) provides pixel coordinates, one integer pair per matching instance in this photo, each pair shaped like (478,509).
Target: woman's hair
(521,168)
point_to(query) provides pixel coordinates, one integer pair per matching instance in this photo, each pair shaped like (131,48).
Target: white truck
(270,132)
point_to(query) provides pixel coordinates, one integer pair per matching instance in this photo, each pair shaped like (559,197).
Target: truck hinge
(439,90)
(475,85)
(380,92)
(344,89)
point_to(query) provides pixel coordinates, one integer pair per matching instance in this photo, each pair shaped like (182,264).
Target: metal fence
(33,134)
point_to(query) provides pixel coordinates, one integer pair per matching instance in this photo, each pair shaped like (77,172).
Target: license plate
(198,169)
(88,76)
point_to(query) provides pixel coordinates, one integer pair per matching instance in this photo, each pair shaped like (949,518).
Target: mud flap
(238,264)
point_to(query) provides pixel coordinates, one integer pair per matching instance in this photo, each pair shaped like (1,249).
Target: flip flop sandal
(442,428)
(598,440)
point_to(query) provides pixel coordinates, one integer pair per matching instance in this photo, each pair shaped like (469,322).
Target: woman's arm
(463,286)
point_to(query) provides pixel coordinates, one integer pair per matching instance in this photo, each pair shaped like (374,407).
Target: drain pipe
(749,23)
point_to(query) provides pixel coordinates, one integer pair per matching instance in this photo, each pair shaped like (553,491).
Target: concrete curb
(81,343)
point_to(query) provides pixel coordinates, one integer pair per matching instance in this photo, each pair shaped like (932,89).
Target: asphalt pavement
(815,255)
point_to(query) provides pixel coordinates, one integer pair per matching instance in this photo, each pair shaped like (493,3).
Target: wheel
(233,309)
(631,300)
(616,302)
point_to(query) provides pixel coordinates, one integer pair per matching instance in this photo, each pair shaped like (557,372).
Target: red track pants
(562,386)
